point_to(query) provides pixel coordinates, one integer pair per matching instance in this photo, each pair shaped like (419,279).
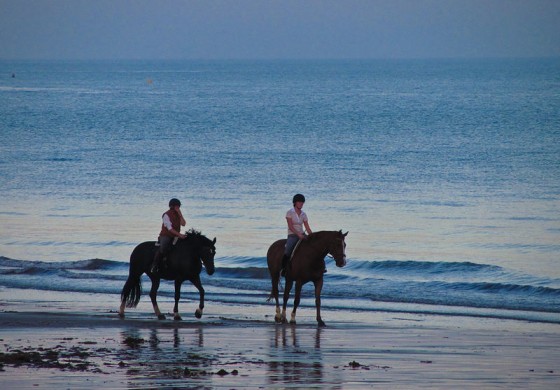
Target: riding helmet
(298,198)
(174,202)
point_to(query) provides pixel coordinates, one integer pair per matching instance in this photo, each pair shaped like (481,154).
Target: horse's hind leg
(153,295)
(274,294)
(121,310)
(297,298)
(287,289)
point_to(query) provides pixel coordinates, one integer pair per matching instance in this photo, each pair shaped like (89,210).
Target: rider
(297,220)
(172,220)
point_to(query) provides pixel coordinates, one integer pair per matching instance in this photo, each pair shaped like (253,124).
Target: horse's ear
(213,242)
(345,234)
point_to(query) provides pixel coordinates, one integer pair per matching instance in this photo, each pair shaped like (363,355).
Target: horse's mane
(197,235)
(320,233)
(193,232)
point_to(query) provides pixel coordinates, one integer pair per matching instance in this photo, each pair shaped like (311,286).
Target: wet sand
(57,346)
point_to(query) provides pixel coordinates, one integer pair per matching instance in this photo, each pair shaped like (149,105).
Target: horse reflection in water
(148,352)
(295,361)
(307,265)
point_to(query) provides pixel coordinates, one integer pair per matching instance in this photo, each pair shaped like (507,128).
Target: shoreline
(52,346)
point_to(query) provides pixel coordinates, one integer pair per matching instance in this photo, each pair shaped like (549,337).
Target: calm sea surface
(446,174)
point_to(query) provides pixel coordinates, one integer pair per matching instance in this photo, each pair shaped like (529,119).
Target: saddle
(295,249)
(162,263)
(174,242)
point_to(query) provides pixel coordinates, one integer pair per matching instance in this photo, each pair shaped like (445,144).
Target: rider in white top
(298,226)
(295,222)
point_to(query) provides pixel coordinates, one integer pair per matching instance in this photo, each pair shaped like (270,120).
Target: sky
(274,29)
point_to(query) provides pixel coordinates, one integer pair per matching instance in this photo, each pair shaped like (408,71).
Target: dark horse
(307,265)
(184,262)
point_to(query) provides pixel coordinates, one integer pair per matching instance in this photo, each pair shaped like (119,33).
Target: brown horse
(307,265)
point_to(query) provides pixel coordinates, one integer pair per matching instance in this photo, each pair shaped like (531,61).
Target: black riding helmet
(174,202)
(298,198)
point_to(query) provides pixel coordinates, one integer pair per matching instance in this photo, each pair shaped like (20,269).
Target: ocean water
(446,173)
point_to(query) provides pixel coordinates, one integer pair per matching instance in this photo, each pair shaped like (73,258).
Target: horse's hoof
(198,313)
(321,323)
(292,322)
(278,319)
(161,317)
(177,318)
(121,316)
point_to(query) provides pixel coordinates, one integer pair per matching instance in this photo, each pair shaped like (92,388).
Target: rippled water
(445,164)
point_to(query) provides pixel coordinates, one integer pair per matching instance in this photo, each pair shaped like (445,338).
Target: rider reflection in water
(172,220)
(296,219)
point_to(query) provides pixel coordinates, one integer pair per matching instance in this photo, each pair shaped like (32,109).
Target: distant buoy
(13,75)
(149,81)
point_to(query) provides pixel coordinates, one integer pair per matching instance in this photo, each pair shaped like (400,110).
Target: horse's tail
(270,296)
(140,261)
(132,291)
(274,291)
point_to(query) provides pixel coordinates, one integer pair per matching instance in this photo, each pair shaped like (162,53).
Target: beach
(444,172)
(81,343)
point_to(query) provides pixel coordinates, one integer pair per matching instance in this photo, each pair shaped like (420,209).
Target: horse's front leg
(176,315)
(287,288)
(153,295)
(198,284)
(297,298)
(318,287)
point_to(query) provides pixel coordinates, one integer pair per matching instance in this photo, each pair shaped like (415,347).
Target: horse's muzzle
(342,263)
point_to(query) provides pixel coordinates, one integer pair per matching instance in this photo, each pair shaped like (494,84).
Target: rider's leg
(164,244)
(284,264)
(155,263)
(290,245)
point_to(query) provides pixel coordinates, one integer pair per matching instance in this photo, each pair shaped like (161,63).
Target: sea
(445,173)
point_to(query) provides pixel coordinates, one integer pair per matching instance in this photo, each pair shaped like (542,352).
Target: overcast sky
(270,29)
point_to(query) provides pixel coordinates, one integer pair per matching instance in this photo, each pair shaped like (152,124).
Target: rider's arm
(291,227)
(183,222)
(167,224)
(307,228)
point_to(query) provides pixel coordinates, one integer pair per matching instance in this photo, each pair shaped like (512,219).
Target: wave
(422,266)
(385,265)
(460,285)
(243,273)
(91,264)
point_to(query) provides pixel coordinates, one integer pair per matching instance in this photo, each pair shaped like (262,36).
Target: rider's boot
(284,265)
(155,264)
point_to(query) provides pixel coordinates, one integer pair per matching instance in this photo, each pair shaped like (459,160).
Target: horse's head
(337,248)
(207,253)
(205,249)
